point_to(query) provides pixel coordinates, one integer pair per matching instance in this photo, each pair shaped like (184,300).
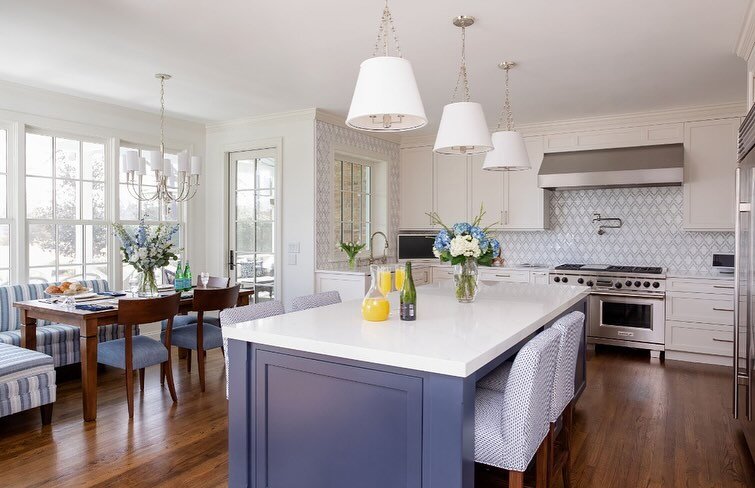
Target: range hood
(661,165)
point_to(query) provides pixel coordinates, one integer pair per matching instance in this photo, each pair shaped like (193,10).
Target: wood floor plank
(638,424)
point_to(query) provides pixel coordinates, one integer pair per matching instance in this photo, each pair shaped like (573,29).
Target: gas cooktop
(610,268)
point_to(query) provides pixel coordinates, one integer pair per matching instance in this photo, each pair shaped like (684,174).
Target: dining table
(88,322)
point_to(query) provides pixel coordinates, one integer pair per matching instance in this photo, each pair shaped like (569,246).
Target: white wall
(293,133)
(22,106)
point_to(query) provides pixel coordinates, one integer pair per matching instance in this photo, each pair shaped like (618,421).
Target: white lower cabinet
(353,286)
(699,320)
(539,277)
(504,275)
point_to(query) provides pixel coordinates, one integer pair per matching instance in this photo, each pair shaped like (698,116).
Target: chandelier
(173,184)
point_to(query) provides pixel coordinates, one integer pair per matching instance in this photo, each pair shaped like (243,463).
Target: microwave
(415,246)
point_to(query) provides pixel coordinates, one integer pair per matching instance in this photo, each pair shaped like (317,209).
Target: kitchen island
(321,398)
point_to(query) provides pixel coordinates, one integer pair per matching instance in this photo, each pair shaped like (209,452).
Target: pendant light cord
(162,117)
(507,112)
(462,78)
(382,38)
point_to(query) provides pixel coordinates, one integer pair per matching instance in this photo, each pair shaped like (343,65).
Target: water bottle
(187,277)
(178,278)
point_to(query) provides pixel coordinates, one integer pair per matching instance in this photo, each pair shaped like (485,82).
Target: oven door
(627,317)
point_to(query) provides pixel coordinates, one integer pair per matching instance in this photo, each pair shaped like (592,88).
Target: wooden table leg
(28,331)
(88,346)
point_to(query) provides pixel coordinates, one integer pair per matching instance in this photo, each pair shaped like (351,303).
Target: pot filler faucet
(615,223)
(384,258)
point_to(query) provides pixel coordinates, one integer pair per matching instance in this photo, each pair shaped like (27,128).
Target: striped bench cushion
(62,341)
(27,379)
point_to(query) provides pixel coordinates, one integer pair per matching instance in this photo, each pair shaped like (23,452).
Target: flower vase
(466,277)
(148,285)
(352,262)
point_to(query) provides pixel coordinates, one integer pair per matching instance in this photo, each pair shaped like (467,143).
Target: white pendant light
(386,98)
(463,128)
(509,152)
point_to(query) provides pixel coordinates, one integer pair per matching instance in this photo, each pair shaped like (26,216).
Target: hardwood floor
(637,425)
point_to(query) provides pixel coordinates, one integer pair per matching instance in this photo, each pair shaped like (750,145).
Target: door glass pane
(41,244)
(38,155)
(245,268)
(67,199)
(245,204)
(38,198)
(264,235)
(66,158)
(265,173)
(245,236)
(245,175)
(265,205)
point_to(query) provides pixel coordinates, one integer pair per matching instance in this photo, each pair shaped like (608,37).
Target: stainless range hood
(661,165)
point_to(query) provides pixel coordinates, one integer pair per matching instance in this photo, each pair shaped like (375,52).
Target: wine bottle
(178,278)
(187,277)
(408,296)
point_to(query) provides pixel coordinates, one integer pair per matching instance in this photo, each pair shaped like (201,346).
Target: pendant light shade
(509,152)
(463,130)
(386,98)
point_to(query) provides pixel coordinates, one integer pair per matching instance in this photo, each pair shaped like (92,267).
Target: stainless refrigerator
(744,284)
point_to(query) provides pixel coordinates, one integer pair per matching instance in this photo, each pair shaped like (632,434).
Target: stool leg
(162,374)
(46,412)
(541,463)
(567,428)
(188,361)
(516,479)
(141,379)
(551,452)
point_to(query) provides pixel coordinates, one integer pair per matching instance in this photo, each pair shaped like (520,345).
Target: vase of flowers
(465,246)
(149,248)
(351,249)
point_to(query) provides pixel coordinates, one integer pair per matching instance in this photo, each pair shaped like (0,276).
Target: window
(4,220)
(352,201)
(66,205)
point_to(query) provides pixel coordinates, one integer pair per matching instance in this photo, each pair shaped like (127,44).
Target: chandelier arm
(137,193)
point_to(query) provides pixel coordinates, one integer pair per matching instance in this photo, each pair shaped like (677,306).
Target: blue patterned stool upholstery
(315,300)
(27,380)
(60,341)
(511,426)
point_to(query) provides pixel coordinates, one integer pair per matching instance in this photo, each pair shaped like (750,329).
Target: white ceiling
(233,58)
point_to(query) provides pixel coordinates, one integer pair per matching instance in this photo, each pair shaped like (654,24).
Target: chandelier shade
(509,152)
(463,130)
(386,97)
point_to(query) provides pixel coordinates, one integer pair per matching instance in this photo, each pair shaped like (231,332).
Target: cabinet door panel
(526,205)
(710,158)
(416,187)
(487,190)
(451,188)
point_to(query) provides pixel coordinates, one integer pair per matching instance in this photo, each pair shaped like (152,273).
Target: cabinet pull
(506,217)
(503,276)
(726,287)
(716,309)
(716,339)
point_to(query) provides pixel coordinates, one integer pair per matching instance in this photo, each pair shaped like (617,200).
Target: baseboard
(693,357)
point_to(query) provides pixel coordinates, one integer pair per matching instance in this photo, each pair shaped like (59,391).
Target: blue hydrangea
(462,228)
(477,233)
(442,241)
(496,246)
(484,243)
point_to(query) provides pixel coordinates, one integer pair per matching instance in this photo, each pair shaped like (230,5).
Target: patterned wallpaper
(326,135)
(652,233)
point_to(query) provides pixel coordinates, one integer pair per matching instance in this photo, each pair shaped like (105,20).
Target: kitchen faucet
(384,258)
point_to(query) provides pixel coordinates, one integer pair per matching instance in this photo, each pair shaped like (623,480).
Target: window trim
(340,158)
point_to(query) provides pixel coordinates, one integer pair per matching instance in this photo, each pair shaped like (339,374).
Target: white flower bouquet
(149,248)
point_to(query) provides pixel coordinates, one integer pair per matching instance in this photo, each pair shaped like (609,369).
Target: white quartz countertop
(447,338)
(365,270)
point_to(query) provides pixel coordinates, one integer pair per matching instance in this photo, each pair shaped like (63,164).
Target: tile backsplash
(651,235)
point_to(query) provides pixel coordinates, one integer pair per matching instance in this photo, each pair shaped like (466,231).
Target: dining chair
(246,313)
(315,300)
(511,427)
(138,352)
(201,336)
(188,319)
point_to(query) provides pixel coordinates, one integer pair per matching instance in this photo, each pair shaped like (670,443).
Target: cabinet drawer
(504,275)
(713,287)
(681,336)
(421,276)
(698,308)
(442,274)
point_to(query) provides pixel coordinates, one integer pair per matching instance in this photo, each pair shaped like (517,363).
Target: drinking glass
(133,285)
(205,277)
(400,276)
(385,283)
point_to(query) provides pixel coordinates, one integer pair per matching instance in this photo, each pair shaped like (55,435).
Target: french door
(252,222)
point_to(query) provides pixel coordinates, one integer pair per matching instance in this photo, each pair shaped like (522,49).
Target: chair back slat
(145,311)
(211,299)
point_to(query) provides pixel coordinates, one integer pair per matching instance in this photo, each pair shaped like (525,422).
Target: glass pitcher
(375,306)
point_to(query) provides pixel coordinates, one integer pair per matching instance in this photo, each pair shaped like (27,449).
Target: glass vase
(466,276)
(148,284)
(352,262)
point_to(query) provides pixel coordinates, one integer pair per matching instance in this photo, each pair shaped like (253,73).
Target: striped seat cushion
(62,341)
(27,379)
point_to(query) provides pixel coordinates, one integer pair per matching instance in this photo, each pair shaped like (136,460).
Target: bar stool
(246,313)
(200,336)
(315,300)
(138,352)
(511,427)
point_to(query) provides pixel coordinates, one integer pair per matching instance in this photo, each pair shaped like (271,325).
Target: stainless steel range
(627,303)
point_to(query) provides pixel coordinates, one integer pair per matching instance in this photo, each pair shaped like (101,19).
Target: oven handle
(628,295)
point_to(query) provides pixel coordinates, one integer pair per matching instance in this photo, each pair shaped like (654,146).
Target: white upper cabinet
(526,206)
(486,190)
(451,177)
(710,158)
(416,187)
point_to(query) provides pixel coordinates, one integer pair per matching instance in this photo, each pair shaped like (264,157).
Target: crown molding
(297,115)
(746,40)
(339,121)
(655,117)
